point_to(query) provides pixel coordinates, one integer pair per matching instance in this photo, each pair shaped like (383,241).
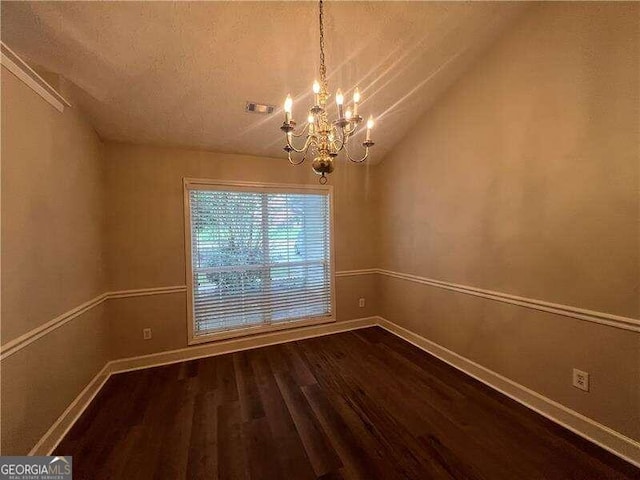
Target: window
(259,257)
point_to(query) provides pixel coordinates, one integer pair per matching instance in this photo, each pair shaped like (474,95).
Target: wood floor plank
(291,454)
(374,425)
(202,461)
(355,405)
(443,417)
(352,452)
(261,450)
(226,376)
(232,459)
(299,368)
(176,436)
(248,392)
(162,398)
(319,450)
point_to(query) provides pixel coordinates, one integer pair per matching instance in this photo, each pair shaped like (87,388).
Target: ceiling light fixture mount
(324,138)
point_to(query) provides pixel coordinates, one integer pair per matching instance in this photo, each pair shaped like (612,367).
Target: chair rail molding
(15,345)
(617,321)
(355,273)
(602,318)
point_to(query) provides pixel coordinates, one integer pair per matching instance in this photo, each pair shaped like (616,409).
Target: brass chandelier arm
(337,143)
(298,162)
(289,147)
(301,133)
(343,138)
(366,154)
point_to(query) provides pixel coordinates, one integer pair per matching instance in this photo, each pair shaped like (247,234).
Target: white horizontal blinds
(258,258)
(227,250)
(298,250)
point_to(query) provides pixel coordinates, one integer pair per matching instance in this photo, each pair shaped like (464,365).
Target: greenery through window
(258,258)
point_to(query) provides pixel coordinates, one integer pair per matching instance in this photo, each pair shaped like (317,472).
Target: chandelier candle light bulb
(356,100)
(340,103)
(310,121)
(288,105)
(325,138)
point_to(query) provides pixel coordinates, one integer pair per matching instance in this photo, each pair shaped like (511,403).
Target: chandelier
(324,138)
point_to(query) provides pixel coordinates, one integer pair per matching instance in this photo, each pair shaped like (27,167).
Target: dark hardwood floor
(363,404)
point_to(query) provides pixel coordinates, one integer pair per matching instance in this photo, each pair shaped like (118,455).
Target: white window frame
(210,184)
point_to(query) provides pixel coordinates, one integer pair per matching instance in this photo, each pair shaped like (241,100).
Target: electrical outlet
(581,379)
(361,303)
(146,333)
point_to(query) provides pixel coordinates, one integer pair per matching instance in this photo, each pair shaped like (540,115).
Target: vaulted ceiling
(179,74)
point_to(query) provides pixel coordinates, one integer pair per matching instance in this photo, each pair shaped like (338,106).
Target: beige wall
(52,226)
(145,234)
(523,179)
(52,210)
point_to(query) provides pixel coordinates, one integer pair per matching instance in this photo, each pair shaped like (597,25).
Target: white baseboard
(63,424)
(238,344)
(618,444)
(607,438)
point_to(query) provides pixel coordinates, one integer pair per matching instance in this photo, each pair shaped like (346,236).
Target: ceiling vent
(253,107)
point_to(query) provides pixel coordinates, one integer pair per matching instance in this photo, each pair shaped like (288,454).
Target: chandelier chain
(323,68)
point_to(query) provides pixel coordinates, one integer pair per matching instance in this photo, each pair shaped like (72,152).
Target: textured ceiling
(179,74)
